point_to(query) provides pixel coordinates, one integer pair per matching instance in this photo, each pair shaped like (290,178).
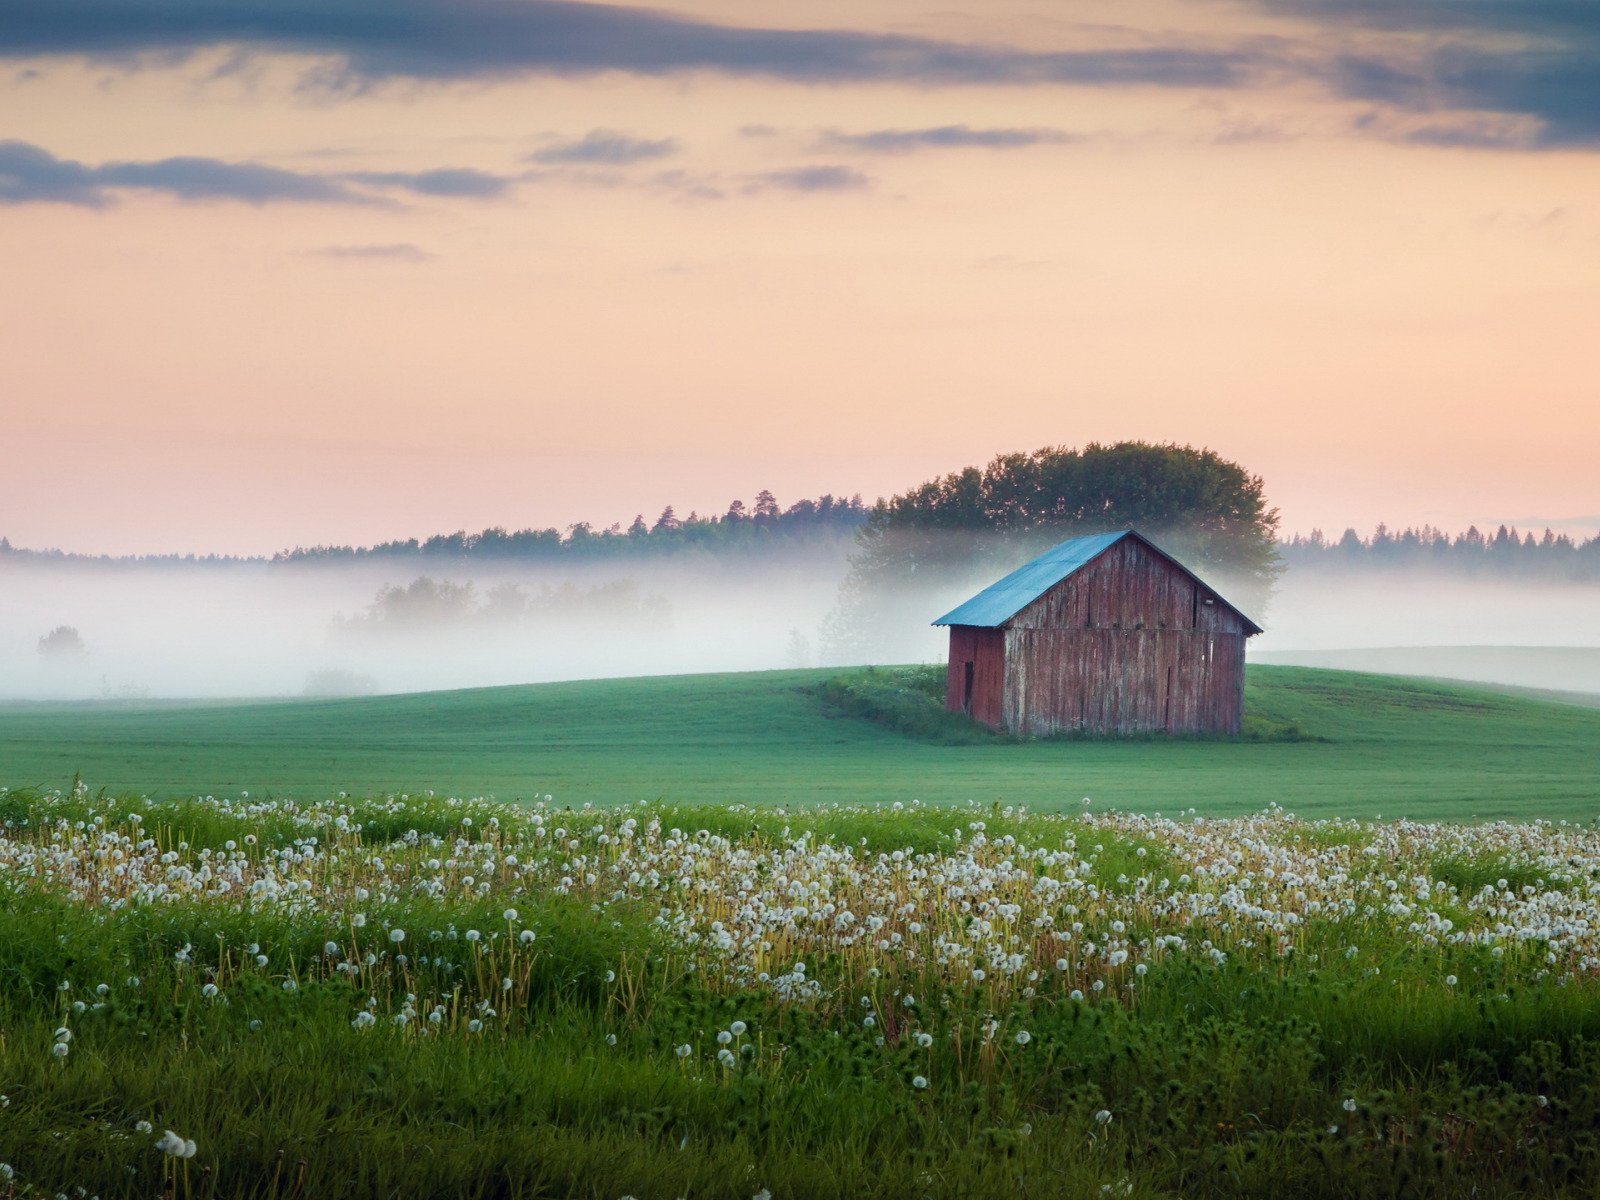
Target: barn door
(966,687)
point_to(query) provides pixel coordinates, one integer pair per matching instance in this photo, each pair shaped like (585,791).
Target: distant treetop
(739,529)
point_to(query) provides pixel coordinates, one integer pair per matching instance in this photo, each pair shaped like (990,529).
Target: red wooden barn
(1107,634)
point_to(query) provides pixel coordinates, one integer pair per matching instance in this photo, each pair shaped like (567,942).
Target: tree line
(763,524)
(969,527)
(1506,553)
(428,605)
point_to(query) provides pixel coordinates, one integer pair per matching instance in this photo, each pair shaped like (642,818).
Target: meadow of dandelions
(1003,906)
(951,960)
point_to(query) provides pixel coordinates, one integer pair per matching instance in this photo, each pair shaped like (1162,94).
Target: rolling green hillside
(1396,748)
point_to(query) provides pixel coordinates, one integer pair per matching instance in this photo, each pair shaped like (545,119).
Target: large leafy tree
(979,522)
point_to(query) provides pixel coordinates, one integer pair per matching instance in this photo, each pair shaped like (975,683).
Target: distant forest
(740,529)
(763,525)
(1506,553)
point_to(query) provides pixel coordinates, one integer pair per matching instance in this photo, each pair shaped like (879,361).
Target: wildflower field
(414,996)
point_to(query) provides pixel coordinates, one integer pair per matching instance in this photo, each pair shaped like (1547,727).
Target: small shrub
(62,642)
(908,700)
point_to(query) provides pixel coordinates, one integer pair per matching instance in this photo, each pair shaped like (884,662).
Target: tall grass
(531,1033)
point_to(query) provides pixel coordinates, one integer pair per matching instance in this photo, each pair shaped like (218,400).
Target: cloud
(1466,135)
(1531,58)
(1558,19)
(810,179)
(393,252)
(214,179)
(605,147)
(31,174)
(442,181)
(688,186)
(28,174)
(373,40)
(903,141)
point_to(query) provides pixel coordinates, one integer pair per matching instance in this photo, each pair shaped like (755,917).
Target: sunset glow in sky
(296,271)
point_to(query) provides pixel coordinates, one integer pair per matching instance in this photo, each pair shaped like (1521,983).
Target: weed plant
(420,997)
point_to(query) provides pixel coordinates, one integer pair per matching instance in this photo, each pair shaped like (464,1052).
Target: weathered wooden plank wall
(985,650)
(1123,680)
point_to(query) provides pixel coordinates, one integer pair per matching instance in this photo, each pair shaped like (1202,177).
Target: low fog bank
(1330,610)
(1538,635)
(371,627)
(260,630)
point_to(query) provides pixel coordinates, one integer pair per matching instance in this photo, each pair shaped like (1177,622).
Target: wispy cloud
(810,179)
(372,40)
(30,174)
(402,252)
(442,181)
(943,137)
(1562,20)
(605,147)
(1529,58)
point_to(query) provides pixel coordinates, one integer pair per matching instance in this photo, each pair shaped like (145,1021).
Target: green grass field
(1395,747)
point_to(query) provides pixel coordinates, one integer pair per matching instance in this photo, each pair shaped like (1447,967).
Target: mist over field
(258,629)
(273,630)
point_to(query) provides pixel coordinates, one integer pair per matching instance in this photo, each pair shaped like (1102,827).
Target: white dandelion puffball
(919,1082)
(1103,1117)
(177,1147)
(1349,1104)
(685,1050)
(397,936)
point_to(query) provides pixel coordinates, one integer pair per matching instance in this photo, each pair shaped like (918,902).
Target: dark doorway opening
(966,688)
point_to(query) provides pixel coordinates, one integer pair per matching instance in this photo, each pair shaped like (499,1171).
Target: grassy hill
(1570,669)
(1396,747)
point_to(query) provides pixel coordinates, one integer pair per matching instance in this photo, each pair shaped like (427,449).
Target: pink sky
(711,263)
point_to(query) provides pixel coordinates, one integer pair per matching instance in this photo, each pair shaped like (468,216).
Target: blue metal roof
(1001,601)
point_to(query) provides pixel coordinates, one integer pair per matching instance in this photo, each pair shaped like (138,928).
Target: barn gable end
(1108,635)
